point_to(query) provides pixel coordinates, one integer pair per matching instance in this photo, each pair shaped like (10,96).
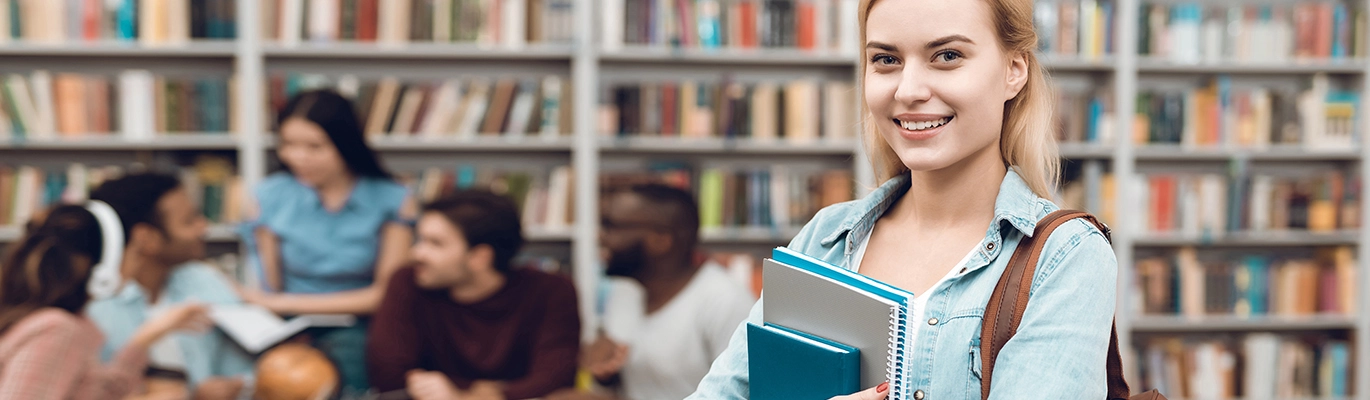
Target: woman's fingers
(875,393)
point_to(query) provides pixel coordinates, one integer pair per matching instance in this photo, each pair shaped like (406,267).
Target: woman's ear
(1017,76)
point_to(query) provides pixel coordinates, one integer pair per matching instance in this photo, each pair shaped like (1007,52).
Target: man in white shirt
(666,316)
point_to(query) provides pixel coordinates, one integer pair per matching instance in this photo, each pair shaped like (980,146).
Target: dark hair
(484,218)
(50,266)
(678,209)
(134,197)
(335,115)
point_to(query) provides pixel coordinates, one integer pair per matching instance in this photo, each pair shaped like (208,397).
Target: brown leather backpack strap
(1117,383)
(1008,301)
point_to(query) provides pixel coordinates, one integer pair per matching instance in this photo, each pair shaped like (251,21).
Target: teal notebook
(789,364)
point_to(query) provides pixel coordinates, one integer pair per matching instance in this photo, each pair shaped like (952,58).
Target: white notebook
(820,299)
(256,328)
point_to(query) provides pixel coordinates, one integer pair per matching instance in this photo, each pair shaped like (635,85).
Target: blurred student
(330,228)
(164,236)
(672,316)
(462,323)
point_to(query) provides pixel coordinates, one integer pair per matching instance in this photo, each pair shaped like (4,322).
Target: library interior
(579,199)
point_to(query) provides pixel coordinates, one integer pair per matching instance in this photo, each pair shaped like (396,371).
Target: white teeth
(924,125)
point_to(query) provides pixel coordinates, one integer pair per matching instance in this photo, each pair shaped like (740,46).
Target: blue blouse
(326,251)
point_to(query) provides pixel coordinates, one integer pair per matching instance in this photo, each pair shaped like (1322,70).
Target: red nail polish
(882,388)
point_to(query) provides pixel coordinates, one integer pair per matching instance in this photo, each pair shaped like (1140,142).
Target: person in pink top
(48,349)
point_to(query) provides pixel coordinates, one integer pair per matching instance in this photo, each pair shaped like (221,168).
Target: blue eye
(947,56)
(884,59)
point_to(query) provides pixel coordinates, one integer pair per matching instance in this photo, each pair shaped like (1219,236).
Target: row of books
(1072,194)
(1083,28)
(1259,366)
(544,195)
(775,197)
(1194,33)
(1213,205)
(150,22)
(456,107)
(819,25)
(506,23)
(135,104)
(214,186)
(25,190)
(1084,117)
(1220,115)
(1248,285)
(797,111)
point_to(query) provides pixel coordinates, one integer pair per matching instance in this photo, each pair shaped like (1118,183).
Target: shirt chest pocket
(959,368)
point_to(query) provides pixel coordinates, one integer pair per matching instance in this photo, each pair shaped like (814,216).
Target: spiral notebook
(811,296)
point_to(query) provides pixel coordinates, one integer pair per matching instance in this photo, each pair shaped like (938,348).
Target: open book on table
(257,329)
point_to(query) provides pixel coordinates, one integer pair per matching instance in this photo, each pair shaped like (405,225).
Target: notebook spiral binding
(894,367)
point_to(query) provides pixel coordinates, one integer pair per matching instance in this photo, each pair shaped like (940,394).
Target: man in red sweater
(460,323)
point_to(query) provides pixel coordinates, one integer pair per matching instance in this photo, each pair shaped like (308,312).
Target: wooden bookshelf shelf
(1351,66)
(1178,324)
(1274,153)
(1253,239)
(109,48)
(639,145)
(1086,151)
(748,235)
(785,57)
(178,141)
(417,50)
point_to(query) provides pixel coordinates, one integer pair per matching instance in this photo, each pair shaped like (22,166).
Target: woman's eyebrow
(948,39)
(881,46)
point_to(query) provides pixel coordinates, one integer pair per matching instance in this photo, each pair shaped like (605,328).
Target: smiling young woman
(957,121)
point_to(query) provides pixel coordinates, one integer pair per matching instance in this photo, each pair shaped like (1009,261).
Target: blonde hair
(1026,141)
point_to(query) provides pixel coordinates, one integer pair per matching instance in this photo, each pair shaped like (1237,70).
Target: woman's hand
(875,393)
(187,317)
(251,295)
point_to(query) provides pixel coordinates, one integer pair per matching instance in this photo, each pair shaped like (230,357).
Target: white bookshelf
(638,145)
(178,141)
(194,49)
(1174,324)
(586,65)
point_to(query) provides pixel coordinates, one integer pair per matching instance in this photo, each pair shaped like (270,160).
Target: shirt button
(932,321)
(989,246)
(918,395)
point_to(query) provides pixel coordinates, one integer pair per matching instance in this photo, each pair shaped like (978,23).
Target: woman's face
(936,81)
(309,153)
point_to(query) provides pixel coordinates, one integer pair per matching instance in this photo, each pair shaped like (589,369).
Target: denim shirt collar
(1016,204)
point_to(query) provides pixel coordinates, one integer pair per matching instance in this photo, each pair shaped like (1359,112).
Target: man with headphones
(163,237)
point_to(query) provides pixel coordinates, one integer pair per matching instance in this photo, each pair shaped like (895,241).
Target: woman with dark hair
(48,350)
(330,228)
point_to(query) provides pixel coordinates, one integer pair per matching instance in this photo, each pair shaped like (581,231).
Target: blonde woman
(958,125)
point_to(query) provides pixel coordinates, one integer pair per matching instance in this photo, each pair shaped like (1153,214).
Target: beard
(626,262)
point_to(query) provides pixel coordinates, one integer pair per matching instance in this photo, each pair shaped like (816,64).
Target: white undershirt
(920,300)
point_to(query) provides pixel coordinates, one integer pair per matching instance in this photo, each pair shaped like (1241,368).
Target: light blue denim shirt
(207,355)
(325,251)
(1057,353)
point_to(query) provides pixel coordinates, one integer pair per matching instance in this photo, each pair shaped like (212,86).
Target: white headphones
(104,278)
